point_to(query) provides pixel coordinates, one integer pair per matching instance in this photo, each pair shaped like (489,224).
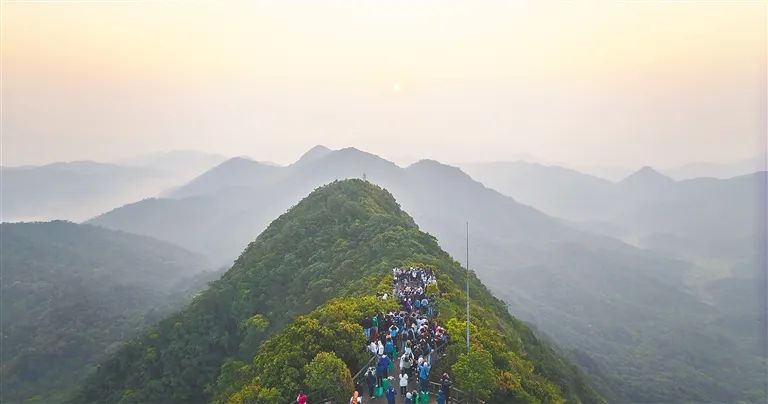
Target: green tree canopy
(328,377)
(475,373)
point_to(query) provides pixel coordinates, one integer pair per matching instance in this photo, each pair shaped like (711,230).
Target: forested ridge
(71,293)
(338,243)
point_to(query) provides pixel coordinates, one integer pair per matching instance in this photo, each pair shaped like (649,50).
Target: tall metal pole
(467,287)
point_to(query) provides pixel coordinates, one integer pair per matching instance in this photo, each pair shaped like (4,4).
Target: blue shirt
(383,362)
(389,347)
(424,370)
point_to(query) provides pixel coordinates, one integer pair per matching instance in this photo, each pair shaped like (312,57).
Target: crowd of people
(403,342)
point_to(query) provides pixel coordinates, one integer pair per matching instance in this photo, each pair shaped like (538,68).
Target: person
(373,348)
(403,382)
(408,397)
(374,327)
(356,399)
(391,394)
(382,368)
(389,347)
(445,385)
(406,364)
(440,397)
(302,398)
(424,375)
(394,332)
(370,378)
(407,348)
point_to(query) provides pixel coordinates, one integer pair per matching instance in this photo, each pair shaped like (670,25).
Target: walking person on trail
(389,347)
(391,394)
(382,368)
(302,398)
(393,333)
(356,399)
(408,397)
(403,383)
(405,363)
(370,379)
(424,374)
(445,385)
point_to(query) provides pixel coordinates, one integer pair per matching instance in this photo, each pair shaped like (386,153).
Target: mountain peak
(237,160)
(234,172)
(313,154)
(435,167)
(647,175)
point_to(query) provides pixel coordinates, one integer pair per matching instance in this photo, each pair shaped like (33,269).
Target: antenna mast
(467,287)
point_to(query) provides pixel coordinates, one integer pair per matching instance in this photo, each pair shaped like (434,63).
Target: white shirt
(403,380)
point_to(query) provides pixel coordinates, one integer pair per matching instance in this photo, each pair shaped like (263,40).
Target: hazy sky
(625,83)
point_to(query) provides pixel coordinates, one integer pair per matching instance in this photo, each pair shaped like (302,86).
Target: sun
(396,87)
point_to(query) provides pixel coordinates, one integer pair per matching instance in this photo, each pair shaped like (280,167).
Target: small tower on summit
(365,178)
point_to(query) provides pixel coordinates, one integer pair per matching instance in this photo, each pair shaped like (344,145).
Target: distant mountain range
(183,162)
(719,170)
(560,246)
(705,217)
(599,296)
(81,189)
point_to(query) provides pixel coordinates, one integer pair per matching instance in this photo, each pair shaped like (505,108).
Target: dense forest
(72,293)
(325,254)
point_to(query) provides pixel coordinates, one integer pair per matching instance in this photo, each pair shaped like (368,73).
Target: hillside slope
(340,241)
(71,293)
